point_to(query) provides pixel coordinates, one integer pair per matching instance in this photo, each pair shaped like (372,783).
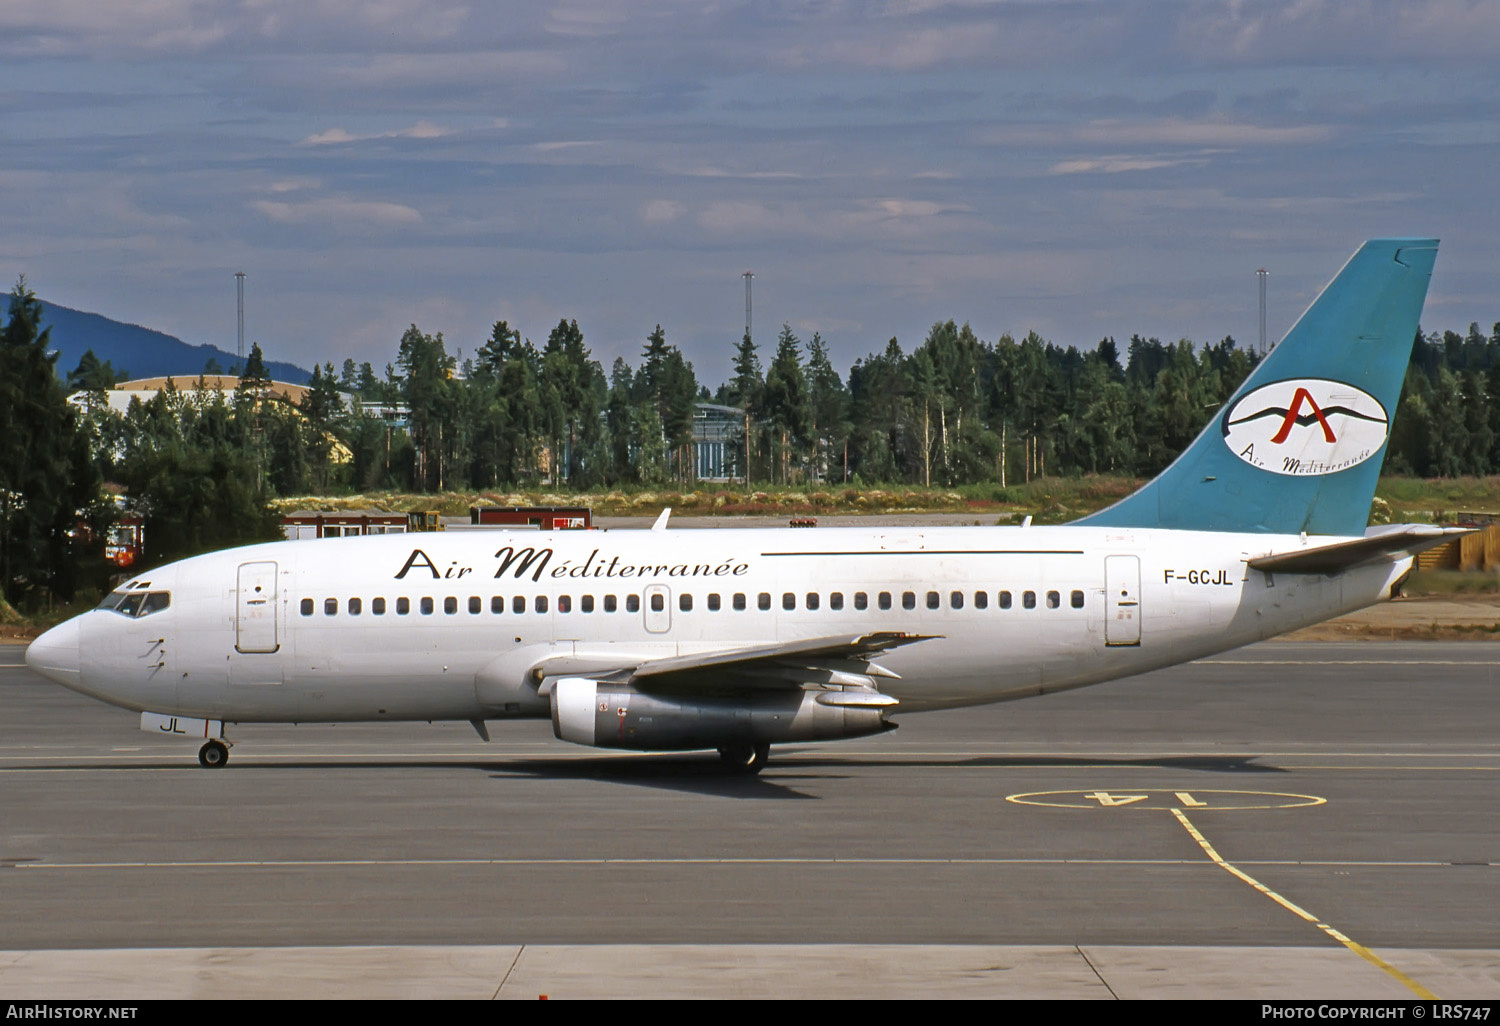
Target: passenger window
(450,604)
(981,600)
(541,603)
(956,600)
(632,603)
(475,605)
(1077,598)
(565,603)
(403,606)
(658,602)
(330,607)
(1028,599)
(861,600)
(609,603)
(307,607)
(934,600)
(377,606)
(739,601)
(763,600)
(586,603)
(427,605)
(354,606)
(685,602)
(812,600)
(836,600)
(713,602)
(885,600)
(1005,600)
(908,600)
(518,604)
(788,600)
(1053,600)
(497,603)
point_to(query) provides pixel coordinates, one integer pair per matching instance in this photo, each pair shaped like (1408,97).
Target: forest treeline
(954,409)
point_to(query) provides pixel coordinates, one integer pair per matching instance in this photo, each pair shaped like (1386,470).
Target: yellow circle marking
(1160,800)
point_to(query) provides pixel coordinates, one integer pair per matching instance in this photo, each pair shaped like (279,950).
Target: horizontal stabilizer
(1395,542)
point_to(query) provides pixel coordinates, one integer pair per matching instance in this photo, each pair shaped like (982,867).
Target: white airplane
(740,639)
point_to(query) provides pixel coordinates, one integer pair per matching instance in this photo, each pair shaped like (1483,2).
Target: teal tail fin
(1299,446)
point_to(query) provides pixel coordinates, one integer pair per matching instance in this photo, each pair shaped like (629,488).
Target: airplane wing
(1394,542)
(840,660)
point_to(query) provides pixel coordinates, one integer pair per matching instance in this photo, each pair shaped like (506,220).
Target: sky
(1078,168)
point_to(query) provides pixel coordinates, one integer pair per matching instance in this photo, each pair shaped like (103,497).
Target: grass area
(1437,583)
(1433,500)
(18,626)
(1050,500)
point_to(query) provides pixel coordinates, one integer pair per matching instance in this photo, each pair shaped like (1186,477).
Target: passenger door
(1122,600)
(255,609)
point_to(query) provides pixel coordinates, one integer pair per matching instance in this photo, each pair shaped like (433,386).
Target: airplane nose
(55,654)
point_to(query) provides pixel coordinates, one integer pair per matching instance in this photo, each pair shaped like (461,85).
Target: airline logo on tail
(1305,427)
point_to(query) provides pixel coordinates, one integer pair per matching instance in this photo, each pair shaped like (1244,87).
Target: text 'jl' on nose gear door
(1122,600)
(255,609)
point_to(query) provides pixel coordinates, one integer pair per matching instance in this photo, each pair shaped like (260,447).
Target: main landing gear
(213,755)
(745,757)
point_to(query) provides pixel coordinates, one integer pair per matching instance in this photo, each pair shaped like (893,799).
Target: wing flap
(840,661)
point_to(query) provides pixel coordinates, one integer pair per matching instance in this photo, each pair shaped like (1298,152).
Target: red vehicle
(545,518)
(126,541)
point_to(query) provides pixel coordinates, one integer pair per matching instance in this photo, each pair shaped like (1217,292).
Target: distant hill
(140,352)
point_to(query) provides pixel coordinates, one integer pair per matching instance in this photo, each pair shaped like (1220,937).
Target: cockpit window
(156,602)
(136,603)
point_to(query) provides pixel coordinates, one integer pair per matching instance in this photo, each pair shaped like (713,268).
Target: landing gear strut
(213,754)
(745,756)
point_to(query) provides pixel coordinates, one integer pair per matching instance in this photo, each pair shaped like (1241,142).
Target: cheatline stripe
(1359,949)
(936,552)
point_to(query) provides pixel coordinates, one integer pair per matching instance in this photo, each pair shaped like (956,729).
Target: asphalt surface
(1279,797)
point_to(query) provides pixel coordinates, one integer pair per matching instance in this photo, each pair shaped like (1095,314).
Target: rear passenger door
(1122,600)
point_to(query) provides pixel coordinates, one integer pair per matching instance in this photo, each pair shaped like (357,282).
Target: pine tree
(746,390)
(786,399)
(47,477)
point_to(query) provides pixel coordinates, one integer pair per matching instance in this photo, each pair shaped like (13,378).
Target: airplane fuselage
(475,625)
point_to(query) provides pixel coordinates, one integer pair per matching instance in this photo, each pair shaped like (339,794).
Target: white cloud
(814,220)
(1114,165)
(1198,133)
(660,211)
(1265,32)
(338,210)
(339,137)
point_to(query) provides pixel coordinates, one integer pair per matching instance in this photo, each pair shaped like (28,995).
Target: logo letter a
(1291,417)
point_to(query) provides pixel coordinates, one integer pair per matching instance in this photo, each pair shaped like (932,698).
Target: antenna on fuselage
(661,521)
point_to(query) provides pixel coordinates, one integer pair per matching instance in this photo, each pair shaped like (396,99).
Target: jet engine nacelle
(604,715)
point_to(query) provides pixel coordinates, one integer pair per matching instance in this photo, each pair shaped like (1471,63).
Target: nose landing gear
(213,755)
